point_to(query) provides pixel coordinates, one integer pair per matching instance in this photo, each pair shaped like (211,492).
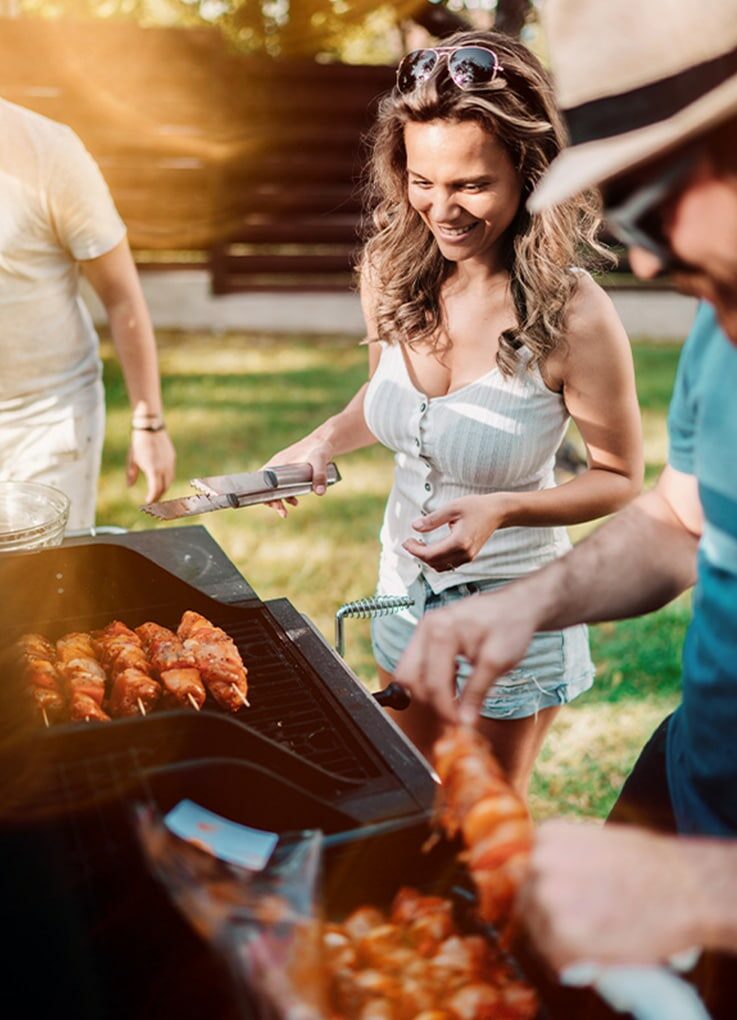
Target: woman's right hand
(312,450)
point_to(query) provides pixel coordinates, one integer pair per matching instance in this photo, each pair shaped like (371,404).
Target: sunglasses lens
(471,66)
(415,68)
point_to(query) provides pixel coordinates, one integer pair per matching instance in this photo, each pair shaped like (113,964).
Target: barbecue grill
(92,935)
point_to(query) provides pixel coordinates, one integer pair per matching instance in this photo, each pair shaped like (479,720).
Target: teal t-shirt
(702,735)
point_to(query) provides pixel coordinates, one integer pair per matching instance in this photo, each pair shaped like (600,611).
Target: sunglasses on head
(469,67)
(635,216)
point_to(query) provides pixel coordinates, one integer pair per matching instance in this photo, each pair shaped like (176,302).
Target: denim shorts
(555,670)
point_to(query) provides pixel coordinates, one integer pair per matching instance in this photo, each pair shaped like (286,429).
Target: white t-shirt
(55,210)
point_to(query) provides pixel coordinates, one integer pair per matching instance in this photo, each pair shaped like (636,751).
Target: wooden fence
(253,160)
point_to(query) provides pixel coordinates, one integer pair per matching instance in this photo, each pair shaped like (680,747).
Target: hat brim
(584,166)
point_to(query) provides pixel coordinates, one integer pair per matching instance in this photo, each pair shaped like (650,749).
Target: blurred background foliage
(353,31)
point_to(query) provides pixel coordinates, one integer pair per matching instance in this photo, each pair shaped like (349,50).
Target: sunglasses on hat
(634,216)
(469,67)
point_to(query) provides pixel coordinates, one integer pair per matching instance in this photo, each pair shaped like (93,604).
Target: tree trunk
(511,16)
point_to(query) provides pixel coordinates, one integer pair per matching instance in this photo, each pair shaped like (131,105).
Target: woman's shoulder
(593,334)
(591,314)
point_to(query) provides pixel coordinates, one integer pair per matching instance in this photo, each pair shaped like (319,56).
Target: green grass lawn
(233,400)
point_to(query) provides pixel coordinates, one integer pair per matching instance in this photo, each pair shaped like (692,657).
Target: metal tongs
(223,492)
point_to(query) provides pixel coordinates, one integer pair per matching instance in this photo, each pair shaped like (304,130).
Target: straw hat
(633,80)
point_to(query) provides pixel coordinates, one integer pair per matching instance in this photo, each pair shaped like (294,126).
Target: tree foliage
(289,28)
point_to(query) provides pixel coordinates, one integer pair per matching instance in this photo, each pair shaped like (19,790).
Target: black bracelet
(161,427)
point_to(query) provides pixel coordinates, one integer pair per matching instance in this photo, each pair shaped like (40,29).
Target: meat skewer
(477,800)
(83,677)
(174,665)
(218,660)
(134,690)
(43,683)
(84,708)
(133,693)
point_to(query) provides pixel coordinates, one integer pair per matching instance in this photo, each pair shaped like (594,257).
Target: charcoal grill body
(89,933)
(303,697)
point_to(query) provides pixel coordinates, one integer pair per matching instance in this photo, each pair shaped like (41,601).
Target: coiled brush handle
(393,696)
(362,609)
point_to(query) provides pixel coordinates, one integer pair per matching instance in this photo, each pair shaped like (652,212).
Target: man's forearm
(633,564)
(714,865)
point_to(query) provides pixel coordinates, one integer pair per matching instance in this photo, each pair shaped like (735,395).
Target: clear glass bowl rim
(50,523)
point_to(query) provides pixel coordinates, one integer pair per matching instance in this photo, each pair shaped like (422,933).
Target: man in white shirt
(57,218)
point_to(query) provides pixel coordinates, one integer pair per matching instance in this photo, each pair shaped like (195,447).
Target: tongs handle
(297,474)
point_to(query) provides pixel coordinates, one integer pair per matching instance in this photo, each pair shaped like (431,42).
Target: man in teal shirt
(701,745)
(657,132)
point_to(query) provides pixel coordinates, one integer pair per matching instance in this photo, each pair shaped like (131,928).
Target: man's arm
(633,564)
(114,278)
(625,895)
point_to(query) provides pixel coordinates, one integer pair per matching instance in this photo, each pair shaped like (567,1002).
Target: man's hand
(153,454)
(492,631)
(471,519)
(610,895)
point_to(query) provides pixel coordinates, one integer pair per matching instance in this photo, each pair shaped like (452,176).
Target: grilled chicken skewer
(36,655)
(174,665)
(218,660)
(83,677)
(477,800)
(134,691)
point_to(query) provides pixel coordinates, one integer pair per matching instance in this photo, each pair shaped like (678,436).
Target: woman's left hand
(471,519)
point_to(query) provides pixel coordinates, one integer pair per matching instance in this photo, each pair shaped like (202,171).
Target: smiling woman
(474,201)
(486,337)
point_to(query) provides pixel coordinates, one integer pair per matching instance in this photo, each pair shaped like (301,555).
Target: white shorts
(66,454)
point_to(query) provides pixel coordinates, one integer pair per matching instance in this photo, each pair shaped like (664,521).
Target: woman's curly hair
(401,256)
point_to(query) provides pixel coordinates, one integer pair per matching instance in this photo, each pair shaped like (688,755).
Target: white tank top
(497,434)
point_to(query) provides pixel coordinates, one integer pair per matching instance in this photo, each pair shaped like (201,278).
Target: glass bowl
(32,516)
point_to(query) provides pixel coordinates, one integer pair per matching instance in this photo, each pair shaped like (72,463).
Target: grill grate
(285,706)
(288,699)
(287,703)
(300,698)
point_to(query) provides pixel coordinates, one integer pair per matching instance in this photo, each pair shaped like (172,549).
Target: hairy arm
(633,564)
(114,279)
(625,895)
(595,374)
(636,562)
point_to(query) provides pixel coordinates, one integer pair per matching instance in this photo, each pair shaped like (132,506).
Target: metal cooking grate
(288,704)
(289,701)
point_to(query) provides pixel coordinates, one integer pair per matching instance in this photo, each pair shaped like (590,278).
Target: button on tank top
(496,434)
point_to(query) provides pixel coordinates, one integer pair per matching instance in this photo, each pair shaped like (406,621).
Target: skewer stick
(45,717)
(141,709)
(241,695)
(192,701)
